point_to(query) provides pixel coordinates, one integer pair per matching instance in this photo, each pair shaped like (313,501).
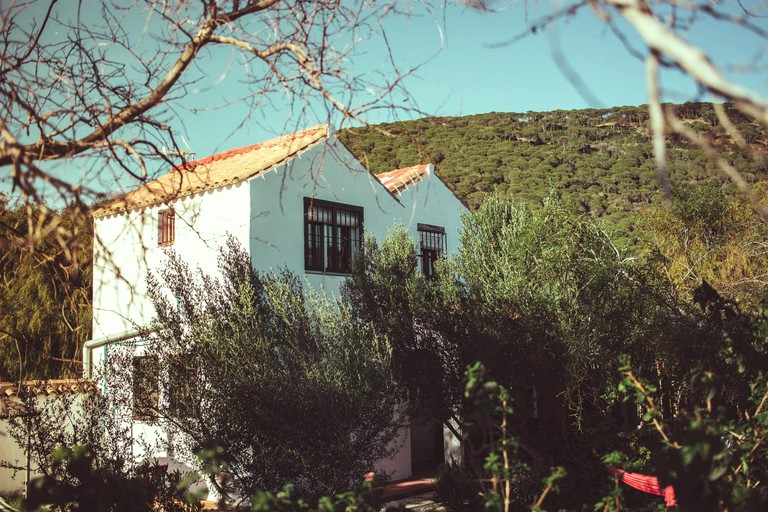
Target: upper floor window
(432,246)
(332,235)
(166,227)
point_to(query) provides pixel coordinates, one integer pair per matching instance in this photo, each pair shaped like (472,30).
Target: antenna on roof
(189,154)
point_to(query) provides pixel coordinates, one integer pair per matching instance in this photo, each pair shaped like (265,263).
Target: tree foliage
(707,234)
(45,298)
(387,291)
(713,450)
(548,303)
(292,387)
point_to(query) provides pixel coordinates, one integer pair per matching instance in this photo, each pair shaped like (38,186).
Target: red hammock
(644,483)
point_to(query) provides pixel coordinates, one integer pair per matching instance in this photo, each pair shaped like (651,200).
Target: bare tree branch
(657,122)
(104,92)
(692,60)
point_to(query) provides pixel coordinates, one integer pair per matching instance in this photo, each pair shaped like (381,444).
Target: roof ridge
(229,153)
(183,180)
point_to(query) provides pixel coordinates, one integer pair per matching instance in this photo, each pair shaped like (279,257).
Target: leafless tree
(101,83)
(664,28)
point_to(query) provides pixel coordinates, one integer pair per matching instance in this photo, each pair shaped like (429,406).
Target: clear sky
(467,72)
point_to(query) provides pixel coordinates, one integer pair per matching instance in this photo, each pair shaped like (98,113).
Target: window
(145,387)
(432,244)
(166,227)
(182,387)
(332,235)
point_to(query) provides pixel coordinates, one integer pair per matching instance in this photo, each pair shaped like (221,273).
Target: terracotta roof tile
(399,180)
(10,401)
(226,168)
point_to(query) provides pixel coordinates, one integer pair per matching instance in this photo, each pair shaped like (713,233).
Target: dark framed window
(146,387)
(182,386)
(432,246)
(166,227)
(333,235)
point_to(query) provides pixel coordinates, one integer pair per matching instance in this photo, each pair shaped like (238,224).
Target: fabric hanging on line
(645,483)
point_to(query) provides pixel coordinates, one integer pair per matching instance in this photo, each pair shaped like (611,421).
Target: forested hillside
(601,160)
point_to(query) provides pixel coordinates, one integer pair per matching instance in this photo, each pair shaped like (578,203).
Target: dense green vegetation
(45,300)
(527,345)
(706,234)
(565,320)
(295,389)
(599,160)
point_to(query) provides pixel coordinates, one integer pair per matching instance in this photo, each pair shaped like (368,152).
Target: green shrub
(81,485)
(458,489)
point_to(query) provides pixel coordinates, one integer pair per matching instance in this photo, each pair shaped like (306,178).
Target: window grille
(182,386)
(166,227)
(332,236)
(146,383)
(432,246)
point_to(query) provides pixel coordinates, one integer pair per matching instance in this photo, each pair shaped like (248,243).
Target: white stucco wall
(452,451)
(430,201)
(11,452)
(330,172)
(326,172)
(398,466)
(266,215)
(126,251)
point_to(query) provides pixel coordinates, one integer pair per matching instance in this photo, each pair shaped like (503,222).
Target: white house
(299,202)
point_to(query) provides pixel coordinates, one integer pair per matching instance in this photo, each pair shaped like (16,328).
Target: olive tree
(289,384)
(546,301)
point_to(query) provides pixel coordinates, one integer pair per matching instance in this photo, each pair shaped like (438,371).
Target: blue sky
(466,73)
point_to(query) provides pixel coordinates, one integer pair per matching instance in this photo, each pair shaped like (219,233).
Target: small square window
(432,246)
(166,227)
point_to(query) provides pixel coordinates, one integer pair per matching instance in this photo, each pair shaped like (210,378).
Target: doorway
(427,453)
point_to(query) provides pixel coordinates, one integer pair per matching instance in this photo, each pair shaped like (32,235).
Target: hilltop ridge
(599,160)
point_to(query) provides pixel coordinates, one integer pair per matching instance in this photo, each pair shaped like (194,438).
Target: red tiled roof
(10,404)
(400,179)
(226,168)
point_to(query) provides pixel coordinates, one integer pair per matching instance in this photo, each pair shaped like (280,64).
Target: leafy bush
(79,485)
(360,499)
(458,488)
(713,452)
